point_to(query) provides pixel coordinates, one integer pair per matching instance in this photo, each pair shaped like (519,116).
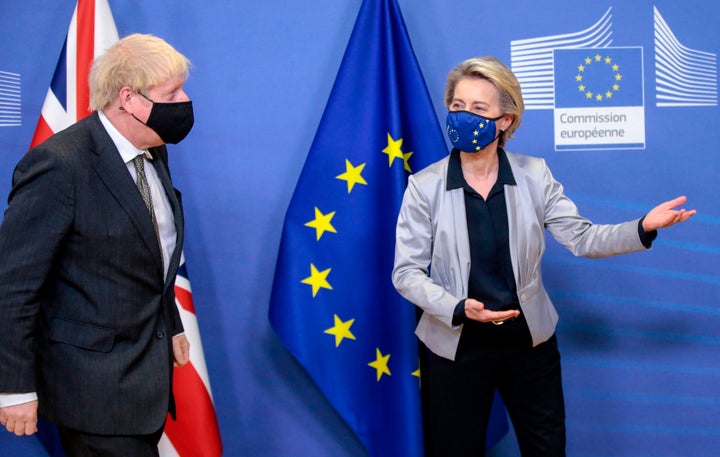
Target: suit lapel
(113,172)
(159,155)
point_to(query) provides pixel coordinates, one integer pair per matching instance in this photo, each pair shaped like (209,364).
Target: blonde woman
(469,245)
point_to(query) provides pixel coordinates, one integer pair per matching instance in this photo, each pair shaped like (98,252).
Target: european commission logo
(599,98)
(10,103)
(596,89)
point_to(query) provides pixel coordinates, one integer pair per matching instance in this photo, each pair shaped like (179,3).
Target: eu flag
(333,303)
(598,77)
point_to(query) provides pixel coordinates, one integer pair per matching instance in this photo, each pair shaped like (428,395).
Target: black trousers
(80,444)
(458,397)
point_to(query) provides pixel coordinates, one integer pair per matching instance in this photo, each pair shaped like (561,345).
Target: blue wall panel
(638,333)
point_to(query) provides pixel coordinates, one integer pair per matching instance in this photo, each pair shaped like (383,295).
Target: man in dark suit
(89,247)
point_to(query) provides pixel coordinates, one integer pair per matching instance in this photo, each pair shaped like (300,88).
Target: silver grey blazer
(432,250)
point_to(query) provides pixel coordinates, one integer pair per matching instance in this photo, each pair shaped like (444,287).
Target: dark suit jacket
(86,318)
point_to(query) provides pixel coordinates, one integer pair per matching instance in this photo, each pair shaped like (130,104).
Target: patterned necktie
(144,188)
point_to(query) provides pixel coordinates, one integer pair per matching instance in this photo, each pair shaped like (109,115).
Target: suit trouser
(458,398)
(80,444)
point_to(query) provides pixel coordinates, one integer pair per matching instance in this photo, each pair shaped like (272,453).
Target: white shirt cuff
(16,399)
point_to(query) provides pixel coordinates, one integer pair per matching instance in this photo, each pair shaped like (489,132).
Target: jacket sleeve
(414,243)
(40,210)
(578,234)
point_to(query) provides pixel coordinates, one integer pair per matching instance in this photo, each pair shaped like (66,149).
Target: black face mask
(171,121)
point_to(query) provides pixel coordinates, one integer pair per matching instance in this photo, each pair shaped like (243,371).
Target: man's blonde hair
(139,61)
(493,70)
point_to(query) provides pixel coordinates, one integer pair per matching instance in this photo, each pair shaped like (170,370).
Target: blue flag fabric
(333,303)
(50,438)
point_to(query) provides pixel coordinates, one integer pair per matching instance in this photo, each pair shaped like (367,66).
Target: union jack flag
(195,434)
(92,30)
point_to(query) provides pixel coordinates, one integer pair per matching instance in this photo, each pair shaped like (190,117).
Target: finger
(473,304)
(674,203)
(507,313)
(497,316)
(30,427)
(181,361)
(19,428)
(512,316)
(181,355)
(688,214)
(186,352)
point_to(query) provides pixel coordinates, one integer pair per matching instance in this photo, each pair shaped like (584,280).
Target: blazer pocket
(82,335)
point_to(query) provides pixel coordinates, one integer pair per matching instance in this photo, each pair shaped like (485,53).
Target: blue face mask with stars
(470,132)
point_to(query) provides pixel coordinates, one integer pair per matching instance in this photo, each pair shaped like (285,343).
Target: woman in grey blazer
(469,244)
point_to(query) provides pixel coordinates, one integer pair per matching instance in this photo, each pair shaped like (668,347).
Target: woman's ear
(507,121)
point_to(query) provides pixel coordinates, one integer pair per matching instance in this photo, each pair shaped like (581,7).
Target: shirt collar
(124,146)
(455,179)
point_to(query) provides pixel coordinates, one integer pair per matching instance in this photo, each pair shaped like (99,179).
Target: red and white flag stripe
(196,432)
(92,30)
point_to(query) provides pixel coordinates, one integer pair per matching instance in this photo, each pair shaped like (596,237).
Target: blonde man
(91,243)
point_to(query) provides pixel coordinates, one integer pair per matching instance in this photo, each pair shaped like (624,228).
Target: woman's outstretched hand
(666,214)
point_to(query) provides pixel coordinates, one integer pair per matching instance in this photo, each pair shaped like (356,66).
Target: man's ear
(127,96)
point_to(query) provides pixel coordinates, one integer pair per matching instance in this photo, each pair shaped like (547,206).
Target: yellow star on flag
(321,223)
(317,279)
(341,330)
(393,149)
(380,364)
(406,159)
(352,175)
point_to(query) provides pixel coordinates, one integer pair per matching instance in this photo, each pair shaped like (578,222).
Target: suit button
(160,334)
(523,298)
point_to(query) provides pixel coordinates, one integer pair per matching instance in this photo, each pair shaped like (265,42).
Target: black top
(492,280)
(491,275)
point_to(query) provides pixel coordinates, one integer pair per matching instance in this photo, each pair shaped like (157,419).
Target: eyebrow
(479,104)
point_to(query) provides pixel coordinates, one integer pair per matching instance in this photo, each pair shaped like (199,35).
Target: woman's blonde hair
(139,61)
(493,70)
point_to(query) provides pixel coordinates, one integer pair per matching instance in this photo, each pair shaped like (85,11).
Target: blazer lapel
(113,172)
(160,163)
